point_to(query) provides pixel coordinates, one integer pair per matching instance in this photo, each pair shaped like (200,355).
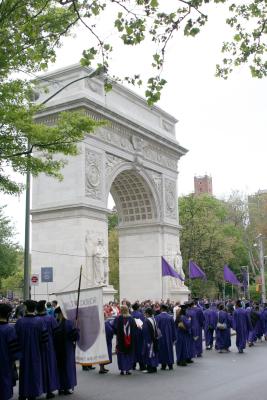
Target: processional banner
(91,347)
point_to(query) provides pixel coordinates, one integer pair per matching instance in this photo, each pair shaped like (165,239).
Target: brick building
(203,184)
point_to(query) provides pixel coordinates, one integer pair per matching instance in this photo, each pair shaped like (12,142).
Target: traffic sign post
(34,282)
(46,277)
(46,274)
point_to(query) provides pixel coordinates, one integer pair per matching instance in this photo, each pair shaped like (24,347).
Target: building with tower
(203,184)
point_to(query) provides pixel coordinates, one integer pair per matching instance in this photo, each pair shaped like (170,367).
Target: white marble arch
(134,157)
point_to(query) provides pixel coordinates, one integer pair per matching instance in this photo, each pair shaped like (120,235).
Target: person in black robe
(9,352)
(65,338)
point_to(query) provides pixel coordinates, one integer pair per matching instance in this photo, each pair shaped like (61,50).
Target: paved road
(213,377)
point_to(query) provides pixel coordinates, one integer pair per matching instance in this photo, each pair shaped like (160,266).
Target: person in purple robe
(183,337)
(253,320)
(125,329)
(50,372)
(9,352)
(210,321)
(264,320)
(32,337)
(241,325)
(150,349)
(65,338)
(259,324)
(138,339)
(166,326)
(223,330)
(109,330)
(197,317)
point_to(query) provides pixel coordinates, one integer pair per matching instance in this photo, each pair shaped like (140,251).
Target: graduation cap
(5,310)
(30,305)
(40,307)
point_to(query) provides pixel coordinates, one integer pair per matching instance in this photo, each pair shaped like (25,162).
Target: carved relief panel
(93,174)
(171,203)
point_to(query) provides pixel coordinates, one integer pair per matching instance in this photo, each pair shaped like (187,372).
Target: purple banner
(195,271)
(168,270)
(229,276)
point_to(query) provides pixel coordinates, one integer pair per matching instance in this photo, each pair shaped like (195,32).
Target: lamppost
(26,281)
(261,261)
(245,278)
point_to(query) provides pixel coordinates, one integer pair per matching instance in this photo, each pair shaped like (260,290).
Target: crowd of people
(148,335)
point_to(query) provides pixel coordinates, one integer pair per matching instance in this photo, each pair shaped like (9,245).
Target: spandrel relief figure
(100,264)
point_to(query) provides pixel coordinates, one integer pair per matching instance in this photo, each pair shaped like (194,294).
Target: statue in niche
(100,264)
(178,266)
(88,259)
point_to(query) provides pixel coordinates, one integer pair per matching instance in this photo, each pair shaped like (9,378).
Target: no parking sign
(35,280)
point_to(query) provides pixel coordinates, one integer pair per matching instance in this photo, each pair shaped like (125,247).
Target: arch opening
(133,197)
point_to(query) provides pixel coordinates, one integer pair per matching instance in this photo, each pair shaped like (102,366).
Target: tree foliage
(10,254)
(113,245)
(211,237)
(32,30)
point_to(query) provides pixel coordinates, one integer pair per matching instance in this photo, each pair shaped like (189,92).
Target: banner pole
(78,298)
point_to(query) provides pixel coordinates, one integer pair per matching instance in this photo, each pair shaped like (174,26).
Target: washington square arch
(134,157)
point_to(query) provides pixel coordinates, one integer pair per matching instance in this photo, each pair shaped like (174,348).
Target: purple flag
(168,270)
(195,271)
(229,276)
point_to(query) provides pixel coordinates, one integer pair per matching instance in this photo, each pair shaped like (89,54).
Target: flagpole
(224,292)
(78,298)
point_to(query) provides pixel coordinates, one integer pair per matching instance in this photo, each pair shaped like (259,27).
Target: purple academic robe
(138,340)
(197,317)
(150,344)
(241,325)
(264,321)
(210,321)
(223,336)
(50,371)
(183,339)
(259,326)
(125,354)
(165,323)
(32,336)
(65,337)
(8,354)
(109,330)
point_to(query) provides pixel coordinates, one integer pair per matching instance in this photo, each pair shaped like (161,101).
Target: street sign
(47,274)
(35,280)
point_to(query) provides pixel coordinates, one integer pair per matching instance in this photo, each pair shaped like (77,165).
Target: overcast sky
(221,123)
